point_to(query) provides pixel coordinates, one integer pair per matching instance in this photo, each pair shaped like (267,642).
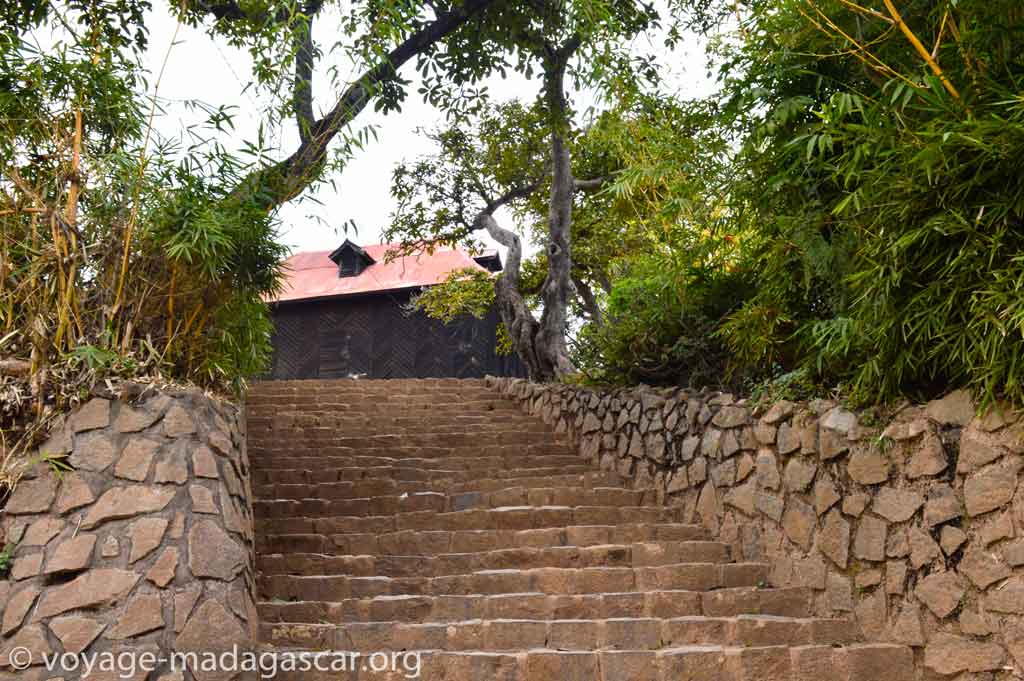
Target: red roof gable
(312,274)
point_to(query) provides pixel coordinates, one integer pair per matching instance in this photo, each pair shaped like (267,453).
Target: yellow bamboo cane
(921,49)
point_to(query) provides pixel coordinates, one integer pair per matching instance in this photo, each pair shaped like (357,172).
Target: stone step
(508,457)
(856,662)
(508,518)
(365,482)
(563,634)
(600,555)
(477,401)
(477,465)
(677,577)
(789,602)
(310,437)
(280,420)
(304,535)
(335,499)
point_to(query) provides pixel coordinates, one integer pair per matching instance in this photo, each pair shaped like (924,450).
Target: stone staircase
(431,515)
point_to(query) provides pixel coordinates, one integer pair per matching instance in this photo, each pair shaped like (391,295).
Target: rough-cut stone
(907,627)
(765,434)
(27,566)
(977,449)
(897,505)
(1014,638)
(871,612)
(203,463)
(834,539)
(35,495)
(742,497)
(991,487)
(744,467)
(75,633)
(220,442)
(868,578)
(869,542)
(93,452)
(832,444)
(31,639)
(202,500)
(839,420)
(982,567)
(788,439)
(798,474)
(162,571)
(72,555)
(111,547)
(126,502)
(708,508)
(93,414)
(997,529)
(951,538)
(769,504)
(184,601)
(75,492)
(942,505)
(839,592)
(40,532)
(948,654)
(145,535)
(825,494)
(897,545)
(868,466)
(956,409)
(974,623)
(142,614)
(1013,553)
(854,503)
(724,474)
(799,521)
(923,548)
(213,553)
(136,459)
(17,607)
(131,420)
(178,422)
(88,590)
(1008,597)
(940,592)
(927,458)
(767,470)
(731,417)
(895,577)
(780,411)
(171,470)
(211,629)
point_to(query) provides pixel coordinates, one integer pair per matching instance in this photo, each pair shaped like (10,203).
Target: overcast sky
(199,68)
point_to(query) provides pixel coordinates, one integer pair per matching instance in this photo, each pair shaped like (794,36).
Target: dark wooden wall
(377,336)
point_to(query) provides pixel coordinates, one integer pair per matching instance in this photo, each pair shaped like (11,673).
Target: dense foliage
(114,261)
(872,192)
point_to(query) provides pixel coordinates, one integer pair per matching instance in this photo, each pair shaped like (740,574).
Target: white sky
(200,69)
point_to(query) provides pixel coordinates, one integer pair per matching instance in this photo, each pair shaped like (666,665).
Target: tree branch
(588,300)
(591,184)
(283,181)
(302,97)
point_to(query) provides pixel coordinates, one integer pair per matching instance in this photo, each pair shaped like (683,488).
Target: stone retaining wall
(144,545)
(914,529)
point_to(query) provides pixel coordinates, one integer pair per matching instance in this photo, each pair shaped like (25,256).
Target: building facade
(347,313)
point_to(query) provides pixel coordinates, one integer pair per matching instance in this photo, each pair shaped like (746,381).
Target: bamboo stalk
(921,49)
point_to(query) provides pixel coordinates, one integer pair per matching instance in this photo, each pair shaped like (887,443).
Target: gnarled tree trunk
(542,345)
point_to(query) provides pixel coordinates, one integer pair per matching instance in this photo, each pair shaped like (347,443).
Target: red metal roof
(312,274)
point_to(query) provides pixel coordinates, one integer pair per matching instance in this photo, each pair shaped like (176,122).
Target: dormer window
(351,259)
